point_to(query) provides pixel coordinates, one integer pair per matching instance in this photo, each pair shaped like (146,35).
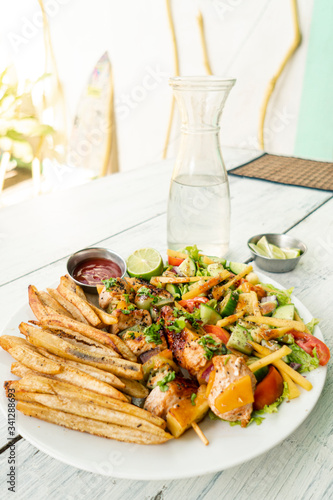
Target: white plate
(186,457)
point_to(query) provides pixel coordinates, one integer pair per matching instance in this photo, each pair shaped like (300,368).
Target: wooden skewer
(203,43)
(199,433)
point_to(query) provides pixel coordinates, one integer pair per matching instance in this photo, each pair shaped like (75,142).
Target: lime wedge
(265,247)
(291,253)
(257,250)
(277,252)
(145,263)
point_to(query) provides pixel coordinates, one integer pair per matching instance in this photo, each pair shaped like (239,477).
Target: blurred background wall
(246,39)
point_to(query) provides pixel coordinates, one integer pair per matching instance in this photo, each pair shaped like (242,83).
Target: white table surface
(128,211)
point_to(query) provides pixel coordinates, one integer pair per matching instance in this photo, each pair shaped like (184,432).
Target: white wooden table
(128,211)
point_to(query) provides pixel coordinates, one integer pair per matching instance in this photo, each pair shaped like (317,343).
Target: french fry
(20,350)
(35,303)
(49,301)
(294,392)
(74,312)
(298,318)
(229,320)
(219,291)
(178,279)
(270,358)
(80,304)
(95,427)
(134,388)
(198,290)
(275,333)
(45,385)
(101,375)
(282,366)
(265,320)
(62,348)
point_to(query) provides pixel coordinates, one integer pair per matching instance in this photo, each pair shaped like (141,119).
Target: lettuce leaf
(254,419)
(283,296)
(307,362)
(193,252)
(273,408)
(311,325)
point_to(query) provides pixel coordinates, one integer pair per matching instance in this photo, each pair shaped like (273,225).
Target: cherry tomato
(173,261)
(192,304)
(219,332)
(308,342)
(268,390)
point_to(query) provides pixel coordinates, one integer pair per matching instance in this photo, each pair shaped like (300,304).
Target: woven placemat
(289,170)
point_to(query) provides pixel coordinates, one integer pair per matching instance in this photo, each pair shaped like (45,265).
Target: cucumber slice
(261,373)
(164,301)
(229,303)
(239,340)
(174,290)
(188,267)
(285,312)
(237,267)
(208,315)
(215,269)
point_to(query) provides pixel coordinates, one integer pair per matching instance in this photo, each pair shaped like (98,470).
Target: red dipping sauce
(93,271)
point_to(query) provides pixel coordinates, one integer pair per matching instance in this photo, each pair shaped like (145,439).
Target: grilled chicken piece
(159,403)
(136,341)
(229,369)
(115,293)
(184,345)
(136,283)
(137,317)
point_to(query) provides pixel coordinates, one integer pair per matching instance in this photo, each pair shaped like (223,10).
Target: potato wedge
(42,384)
(105,317)
(22,351)
(80,292)
(89,410)
(62,348)
(134,388)
(74,338)
(80,304)
(35,303)
(74,312)
(91,426)
(49,301)
(101,375)
(108,339)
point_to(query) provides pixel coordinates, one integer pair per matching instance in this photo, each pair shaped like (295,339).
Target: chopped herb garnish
(211,347)
(191,317)
(130,308)
(226,360)
(193,396)
(126,297)
(109,283)
(147,293)
(131,335)
(163,384)
(177,325)
(152,334)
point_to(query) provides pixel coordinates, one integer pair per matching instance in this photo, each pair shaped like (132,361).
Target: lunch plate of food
(175,370)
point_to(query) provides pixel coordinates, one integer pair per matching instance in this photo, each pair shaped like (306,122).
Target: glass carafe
(199,199)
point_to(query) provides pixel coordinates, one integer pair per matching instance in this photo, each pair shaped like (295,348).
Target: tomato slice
(268,390)
(192,304)
(221,333)
(308,342)
(173,261)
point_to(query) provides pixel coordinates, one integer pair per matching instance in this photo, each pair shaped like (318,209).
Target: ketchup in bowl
(92,271)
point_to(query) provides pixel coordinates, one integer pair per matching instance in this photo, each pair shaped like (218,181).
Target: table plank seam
(91,245)
(307,215)
(10,443)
